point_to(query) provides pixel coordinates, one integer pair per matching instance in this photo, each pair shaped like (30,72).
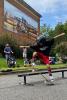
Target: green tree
(65,30)
(61,48)
(46,30)
(65,27)
(59,28)
(43,28)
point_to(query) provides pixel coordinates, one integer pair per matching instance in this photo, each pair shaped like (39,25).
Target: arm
(59,35)
(6,52)
(34,47)
(24,46)
(51,41)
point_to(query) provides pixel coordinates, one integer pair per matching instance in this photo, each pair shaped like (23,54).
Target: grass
(19,65)
(3,64)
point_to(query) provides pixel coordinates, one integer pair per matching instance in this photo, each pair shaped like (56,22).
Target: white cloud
(62,18)
(64,2)
(43,6)
(58,18)
(56,9)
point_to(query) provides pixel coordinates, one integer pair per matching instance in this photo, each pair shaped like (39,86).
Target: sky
(52,11)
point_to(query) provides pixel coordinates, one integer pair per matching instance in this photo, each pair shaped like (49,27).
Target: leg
(49,70)
(7,58)
(25,59)
(33,60)
(50,73)
(45,60)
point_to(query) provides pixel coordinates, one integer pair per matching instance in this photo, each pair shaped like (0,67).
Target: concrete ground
(10,89)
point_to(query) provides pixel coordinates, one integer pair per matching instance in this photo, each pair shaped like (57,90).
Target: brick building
(19,20)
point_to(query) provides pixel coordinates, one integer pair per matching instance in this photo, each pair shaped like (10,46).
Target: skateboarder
(42,49)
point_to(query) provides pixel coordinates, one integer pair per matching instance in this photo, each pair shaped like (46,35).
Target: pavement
(10,89)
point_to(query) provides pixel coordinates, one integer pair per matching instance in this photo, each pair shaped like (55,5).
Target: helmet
(41,40)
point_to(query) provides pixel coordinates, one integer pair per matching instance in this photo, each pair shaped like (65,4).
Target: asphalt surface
(10,89)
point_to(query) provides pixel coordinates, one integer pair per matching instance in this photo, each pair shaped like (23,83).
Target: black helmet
(41,40)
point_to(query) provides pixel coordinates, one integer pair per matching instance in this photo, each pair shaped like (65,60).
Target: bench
(41,72)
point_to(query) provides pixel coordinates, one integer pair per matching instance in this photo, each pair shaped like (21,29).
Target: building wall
(22,38)
(27,11)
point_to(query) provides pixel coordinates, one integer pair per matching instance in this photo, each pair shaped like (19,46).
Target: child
(42,48)
(25,55)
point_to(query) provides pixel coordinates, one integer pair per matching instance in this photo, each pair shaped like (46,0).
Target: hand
(12,52)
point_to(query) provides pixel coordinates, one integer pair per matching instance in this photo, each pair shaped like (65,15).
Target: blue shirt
(7,50)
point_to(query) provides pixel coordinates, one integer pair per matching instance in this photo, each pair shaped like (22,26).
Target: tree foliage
(61,48)
(60,45)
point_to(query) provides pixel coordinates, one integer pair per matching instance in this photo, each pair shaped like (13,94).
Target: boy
(25,55)
(42,50)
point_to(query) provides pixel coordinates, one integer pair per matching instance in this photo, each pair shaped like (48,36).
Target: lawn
(19,65)
(3,64)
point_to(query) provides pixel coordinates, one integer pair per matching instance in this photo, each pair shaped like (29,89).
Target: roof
(29,7)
